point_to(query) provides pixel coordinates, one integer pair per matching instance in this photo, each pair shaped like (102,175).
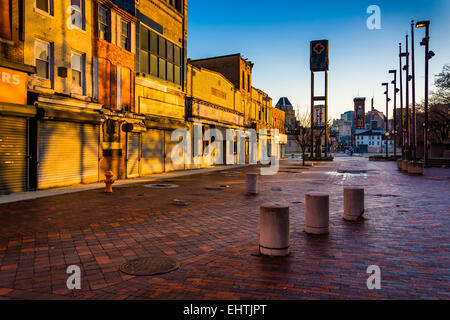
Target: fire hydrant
(109,181)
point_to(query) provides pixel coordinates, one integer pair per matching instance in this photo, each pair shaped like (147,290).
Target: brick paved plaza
(406,233)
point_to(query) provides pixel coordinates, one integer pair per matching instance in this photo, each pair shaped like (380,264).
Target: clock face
(360,107)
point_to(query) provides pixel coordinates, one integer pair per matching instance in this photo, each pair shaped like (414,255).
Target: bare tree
(302,133)
(321,132)
(439,109)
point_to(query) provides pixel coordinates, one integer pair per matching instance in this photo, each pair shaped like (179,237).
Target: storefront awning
(19,110)
(165,124)
(50,112)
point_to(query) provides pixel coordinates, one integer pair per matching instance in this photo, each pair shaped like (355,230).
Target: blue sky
(275,35)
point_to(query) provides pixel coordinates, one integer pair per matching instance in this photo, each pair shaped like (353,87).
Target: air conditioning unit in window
(62,72)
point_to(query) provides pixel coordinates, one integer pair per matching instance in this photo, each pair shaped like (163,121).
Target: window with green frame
(159,57)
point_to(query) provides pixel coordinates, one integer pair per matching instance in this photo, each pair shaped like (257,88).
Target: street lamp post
(428,55)
(402,132)
(387,116)
(413,74)
(407,116)
(396,90)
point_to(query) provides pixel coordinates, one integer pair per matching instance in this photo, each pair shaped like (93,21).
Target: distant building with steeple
(375,120)
(291,120)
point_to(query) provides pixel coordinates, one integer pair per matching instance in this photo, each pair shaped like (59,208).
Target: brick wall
(11,44)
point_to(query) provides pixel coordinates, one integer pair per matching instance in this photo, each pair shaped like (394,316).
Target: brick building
(160,85)
(213,102)
(238,71)
(91,86)
(114,48)
(291,119)
(66,133)
(14,110)
(360,113)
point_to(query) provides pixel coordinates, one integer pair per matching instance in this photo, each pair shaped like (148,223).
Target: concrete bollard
(317,214)
(252,184)
(415,168)
(274,234)
(400,165)
(405,165)
(353,203)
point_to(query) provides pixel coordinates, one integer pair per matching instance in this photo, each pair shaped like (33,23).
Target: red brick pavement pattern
(406,233)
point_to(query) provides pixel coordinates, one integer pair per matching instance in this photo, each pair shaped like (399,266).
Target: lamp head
(431,54)
(393,71)
(423,24)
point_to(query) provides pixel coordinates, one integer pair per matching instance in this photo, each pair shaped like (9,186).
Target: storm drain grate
(162,186)
(150,266)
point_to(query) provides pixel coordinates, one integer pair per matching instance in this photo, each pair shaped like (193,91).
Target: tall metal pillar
(312,115)
(413,71)
(407,120)
(402,127)
(327,133)
(319,62)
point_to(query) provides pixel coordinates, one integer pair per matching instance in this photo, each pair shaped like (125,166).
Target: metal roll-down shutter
(13,154)
(68,153)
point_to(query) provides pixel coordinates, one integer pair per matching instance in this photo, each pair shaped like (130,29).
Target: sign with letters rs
(13,86)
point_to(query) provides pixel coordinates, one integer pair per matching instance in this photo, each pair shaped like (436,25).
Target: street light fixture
(387,116)
(428,55)
(396,90)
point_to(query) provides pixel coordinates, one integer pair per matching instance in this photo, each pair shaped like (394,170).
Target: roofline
(224,56)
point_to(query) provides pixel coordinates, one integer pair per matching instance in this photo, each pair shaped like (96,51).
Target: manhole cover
(352,171)
(150,266)
(214,188)
(180,203)
(386,196)
(162,186)
(289,171)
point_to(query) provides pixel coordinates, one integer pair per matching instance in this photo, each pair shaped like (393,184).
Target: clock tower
(360,113)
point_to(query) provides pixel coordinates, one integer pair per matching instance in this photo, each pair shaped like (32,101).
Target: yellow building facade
(160,81)
(65,135)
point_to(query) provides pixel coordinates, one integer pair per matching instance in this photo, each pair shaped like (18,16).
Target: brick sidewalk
(406,233)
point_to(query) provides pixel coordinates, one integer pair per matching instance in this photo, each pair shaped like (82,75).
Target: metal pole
(407,123)
(402,129)
(387,120)
(413,91)
(427,52)
(326,115)
(312,115)
(395,114)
